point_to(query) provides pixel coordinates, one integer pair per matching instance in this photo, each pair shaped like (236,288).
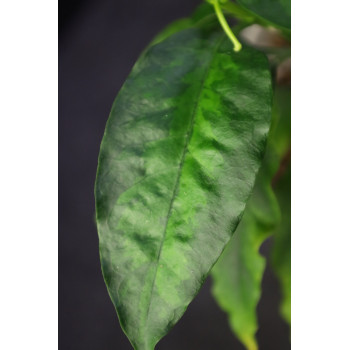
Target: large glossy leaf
(275,11)
(238,273)
(178,160)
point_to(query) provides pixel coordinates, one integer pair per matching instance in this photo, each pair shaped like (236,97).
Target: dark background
(99,41)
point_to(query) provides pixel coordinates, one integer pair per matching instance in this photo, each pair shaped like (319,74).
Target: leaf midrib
(181,164)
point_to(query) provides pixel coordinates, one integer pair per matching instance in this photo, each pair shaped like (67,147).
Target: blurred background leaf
(281,249)
(275,11)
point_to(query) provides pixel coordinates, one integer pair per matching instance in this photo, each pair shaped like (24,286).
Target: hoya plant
(194,170)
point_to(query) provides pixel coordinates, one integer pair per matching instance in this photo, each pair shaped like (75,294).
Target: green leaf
(275,11)
(177,163)
(281,249)
(238,273)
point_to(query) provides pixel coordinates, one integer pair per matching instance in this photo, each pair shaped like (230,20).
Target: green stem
(236,44)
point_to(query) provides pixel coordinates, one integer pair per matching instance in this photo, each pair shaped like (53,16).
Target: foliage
(238,273)
(178,162)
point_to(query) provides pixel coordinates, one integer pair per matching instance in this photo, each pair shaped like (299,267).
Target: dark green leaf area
(172,28)
(178,160)
(280,135)
(275,11)
(204,13)
(281,249)
(204,10)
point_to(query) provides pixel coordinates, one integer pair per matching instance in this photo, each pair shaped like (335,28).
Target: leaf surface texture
(178,160)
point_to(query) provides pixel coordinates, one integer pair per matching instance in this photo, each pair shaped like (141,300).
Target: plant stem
(236,44)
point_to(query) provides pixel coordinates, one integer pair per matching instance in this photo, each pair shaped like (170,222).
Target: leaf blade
(162,168)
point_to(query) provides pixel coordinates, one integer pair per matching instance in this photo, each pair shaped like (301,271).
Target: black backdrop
(99,41)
